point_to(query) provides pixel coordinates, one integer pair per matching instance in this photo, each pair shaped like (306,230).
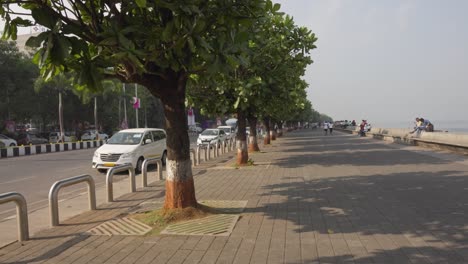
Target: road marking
(23,179)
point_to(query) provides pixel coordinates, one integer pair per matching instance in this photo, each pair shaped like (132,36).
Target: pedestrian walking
(330,127)
(325,127)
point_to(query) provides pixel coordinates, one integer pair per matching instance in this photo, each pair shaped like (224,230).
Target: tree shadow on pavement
(347,150)
(412,215)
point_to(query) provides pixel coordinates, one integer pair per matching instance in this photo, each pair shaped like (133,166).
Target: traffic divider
(47,148)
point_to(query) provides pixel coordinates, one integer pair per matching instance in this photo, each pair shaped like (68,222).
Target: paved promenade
(311,199)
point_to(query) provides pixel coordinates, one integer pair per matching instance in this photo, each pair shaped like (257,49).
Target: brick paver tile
(194,257)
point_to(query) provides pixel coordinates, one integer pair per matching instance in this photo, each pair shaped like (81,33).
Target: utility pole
(96,116)
(125,106)
(146,119)
(136,102)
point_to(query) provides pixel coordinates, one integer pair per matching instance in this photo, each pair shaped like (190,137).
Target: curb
(47,148)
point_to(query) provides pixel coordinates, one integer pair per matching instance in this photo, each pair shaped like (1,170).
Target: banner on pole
(136,103)
(191,117)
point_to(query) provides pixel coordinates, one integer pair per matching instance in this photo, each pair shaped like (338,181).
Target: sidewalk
(311,199)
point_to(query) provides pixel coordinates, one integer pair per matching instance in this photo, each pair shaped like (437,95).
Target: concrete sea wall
(440,140)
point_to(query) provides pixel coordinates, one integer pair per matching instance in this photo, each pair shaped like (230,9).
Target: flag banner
(191,117)
(136,103)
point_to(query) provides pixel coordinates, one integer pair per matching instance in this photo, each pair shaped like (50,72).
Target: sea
(452,126)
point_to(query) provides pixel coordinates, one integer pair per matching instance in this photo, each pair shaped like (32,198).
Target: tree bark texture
(242,153)
(253,144)
(266,123)
(180,188)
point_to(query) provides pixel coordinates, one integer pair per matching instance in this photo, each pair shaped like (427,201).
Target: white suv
(131,146)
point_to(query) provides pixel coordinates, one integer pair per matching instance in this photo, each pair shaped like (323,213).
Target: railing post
(216,149)
(194,161)
(110,177)
(159,164)
(145,164)
(144,173)
(198,155)
(208,148)
(21,213)
(54,190)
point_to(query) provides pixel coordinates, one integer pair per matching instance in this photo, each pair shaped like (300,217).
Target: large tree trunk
(180,188)
(242,153)
(266,123)
(253,144)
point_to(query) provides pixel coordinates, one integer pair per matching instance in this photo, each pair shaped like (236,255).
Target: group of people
(327,127)
(422,124)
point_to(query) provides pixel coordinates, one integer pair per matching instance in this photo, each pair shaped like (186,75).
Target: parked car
(211,135)
(2,145)
(8,142)
(27,139)
(230,131)
(131,146)
(93,135)
(55,137)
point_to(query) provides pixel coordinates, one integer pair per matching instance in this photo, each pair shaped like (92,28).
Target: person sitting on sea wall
(423,125)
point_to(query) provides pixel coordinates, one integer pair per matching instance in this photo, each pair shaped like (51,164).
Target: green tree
(274,60)
(61,84)
(157,44)
(17,75)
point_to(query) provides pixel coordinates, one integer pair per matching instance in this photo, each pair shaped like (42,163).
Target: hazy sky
(387,61)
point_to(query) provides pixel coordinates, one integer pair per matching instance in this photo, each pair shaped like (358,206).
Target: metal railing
(53,195)
(21,212)
(198,154)
(208,149)
(110,177)
(144,170)
(216,150)
(194,160)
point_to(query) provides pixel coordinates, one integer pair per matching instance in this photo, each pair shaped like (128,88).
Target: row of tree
(26,98)
(224,56)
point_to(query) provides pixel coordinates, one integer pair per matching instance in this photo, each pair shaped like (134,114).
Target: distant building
(21,42)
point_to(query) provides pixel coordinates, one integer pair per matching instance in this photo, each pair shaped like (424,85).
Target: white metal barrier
(21,212)
(53,195)
(110,177)
(194,160)
(144,171)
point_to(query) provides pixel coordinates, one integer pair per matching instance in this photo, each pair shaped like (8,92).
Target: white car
(9,142)
(211,135)
(131,146)
(93,135)
(55,136)
(230,131)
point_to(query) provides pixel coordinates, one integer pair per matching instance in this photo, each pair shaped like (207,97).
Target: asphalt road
(32,176)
